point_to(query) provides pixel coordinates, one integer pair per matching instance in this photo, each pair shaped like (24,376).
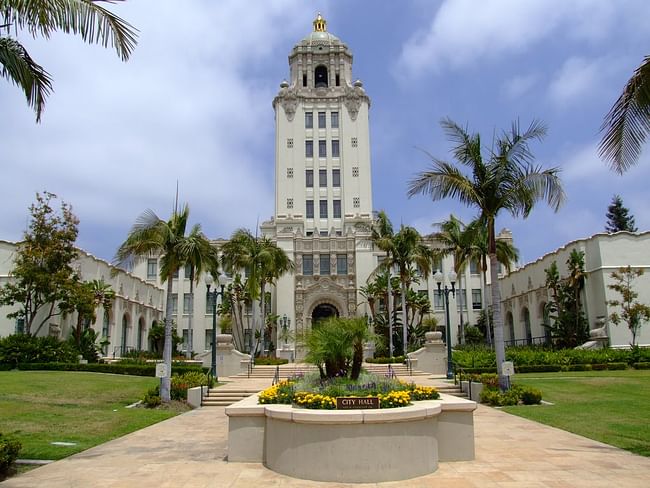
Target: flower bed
(312,393)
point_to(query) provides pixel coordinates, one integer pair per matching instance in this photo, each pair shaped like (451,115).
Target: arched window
(510,324)
(525,318)
(320,77)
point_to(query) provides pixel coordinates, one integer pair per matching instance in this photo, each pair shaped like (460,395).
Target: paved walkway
(189,451)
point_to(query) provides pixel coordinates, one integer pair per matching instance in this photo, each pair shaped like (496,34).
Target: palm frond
(22,70)
(87,18)
(627,124)
(441,181)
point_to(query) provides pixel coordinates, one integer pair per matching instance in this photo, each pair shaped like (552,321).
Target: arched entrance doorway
(323,311)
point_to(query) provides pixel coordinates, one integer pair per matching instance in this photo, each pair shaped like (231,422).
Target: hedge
(393,360)
(642,365)
(114,368)
(270,361)
(554,368)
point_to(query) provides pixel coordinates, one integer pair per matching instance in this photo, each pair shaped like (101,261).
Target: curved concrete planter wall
(352,446)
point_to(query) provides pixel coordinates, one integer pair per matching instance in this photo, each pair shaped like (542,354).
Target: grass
(607,406)
(41,407)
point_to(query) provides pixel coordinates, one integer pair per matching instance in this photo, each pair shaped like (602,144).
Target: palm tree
(263,261)
(151,236)
(507,254)
(409,249)
(458,242)
(506,180)
(381,234)
(41,18)
(627,123)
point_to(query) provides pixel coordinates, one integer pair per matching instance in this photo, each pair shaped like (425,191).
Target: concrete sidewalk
(190,451)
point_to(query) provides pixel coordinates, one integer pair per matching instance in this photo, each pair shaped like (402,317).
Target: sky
(193,107)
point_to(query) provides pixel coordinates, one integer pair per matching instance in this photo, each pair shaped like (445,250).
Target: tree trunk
(165,382)
(486,307)
(190,331)
(463,299)
(499,346)
(404,319)
(390,317)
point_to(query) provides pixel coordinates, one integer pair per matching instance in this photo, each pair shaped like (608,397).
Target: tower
(323,191)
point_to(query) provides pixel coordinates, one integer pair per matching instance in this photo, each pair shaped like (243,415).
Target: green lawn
(608,406)
(41,407)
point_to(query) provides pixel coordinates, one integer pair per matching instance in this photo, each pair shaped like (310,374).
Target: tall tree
(43,277)
(506,180)
(151,236)
(409,251)
(457,241)
(618,217)
(627,123)
(41,18)
(632,312)
(507,255)
(263,262)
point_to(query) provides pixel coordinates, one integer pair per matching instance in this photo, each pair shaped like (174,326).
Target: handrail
(276,377)
(391,372)
(409,365)
(251,365)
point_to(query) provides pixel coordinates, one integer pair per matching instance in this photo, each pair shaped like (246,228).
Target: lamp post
(212,295)
(286,323)
(439,277)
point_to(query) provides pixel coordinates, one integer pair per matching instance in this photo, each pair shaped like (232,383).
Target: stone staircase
(452,389)
(299,369)
(223,396)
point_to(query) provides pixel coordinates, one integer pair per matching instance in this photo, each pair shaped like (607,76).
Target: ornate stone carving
(289,102)
(352,101)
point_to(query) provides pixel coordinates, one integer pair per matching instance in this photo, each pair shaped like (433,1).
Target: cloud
(518,86)
(192,105)
(464,32)
(581,79)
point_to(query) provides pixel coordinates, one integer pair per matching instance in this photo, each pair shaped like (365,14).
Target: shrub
(616,366)
(641,365)
(530,396)
(473,335)
(386,360)
(270,361)
(538,368)
(21,348)
(133,369)
(9,449)
(496,398)
(152,398)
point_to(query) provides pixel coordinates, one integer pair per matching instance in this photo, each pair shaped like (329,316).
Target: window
(335,118)
(187,273)
(309,149)
(437,265)
(324,264)
(438,299)
(461,299)
(309,120)
(289,202)
(336,178)
(341,264)
(20,326)
(304,80)
(174,303)
(322,124)
(309,178)
(477,302)
(209,300)
(322,178)
(290,143)
(355,171)
(208,339)
(309,209)
(289,172)
(323,209)
(338,80)
(474,267)
(106,325)
(335,149)
(186,338)
(356,203)
(322,149)
(187,303)
(175,275)
(336,209)
(307,264)
(354,141)
(323,233)
(152,269)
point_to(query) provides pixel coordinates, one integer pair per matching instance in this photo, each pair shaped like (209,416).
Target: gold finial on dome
(320,24)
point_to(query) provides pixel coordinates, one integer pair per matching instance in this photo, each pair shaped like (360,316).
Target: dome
(319,36)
